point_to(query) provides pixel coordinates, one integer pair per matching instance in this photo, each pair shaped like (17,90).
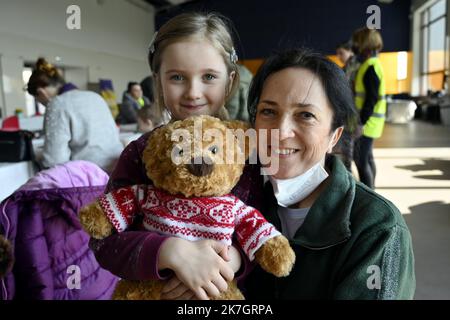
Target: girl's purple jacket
(52,257)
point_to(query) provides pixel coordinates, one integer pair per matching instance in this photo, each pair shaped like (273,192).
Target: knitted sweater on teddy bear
(193,218)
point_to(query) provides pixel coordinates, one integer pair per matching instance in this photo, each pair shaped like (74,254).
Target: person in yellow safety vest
(370,101)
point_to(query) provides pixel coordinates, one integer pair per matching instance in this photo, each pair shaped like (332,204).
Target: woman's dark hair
(44,75)
(130,85)
(333,79)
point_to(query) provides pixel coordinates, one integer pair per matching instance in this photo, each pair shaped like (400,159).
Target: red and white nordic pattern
(195,218)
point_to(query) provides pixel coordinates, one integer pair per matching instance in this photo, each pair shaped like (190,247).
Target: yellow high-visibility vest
(141,102)
(373,128)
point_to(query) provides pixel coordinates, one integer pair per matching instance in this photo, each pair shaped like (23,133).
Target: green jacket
(353,244)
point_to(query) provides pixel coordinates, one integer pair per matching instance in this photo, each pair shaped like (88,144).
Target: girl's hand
(201,265)
(177,290)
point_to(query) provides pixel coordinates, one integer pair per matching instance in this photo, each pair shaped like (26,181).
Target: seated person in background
(78,125)
(145,119)
(132,101)
(149,117)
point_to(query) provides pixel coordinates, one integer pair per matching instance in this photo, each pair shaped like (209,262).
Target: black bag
(16,146)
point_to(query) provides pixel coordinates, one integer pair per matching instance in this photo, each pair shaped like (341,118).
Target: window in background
(434,51)
(402,65)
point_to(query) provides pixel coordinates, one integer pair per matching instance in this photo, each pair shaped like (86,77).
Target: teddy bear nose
(198,167)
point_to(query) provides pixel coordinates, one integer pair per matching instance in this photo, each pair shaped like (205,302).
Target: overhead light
(385,1)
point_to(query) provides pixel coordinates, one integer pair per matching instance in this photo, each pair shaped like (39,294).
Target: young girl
(194,66)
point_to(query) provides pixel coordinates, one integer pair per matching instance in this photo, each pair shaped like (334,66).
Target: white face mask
(294,190)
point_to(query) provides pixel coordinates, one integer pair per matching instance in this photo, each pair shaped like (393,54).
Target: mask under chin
(293,190)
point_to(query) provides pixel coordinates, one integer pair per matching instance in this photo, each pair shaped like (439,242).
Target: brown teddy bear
(191,199)
(6,256)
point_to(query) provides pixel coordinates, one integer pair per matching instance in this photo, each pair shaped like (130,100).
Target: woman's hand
(200,265)
(176,290)
(235,259)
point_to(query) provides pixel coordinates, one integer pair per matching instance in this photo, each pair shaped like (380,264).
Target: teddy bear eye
(213,149)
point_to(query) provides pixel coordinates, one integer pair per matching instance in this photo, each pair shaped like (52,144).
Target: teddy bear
(6,256)
(193,165)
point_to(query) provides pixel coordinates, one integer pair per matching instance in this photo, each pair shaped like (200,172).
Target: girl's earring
(233,55)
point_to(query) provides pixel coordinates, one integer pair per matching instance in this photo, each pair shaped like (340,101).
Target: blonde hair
(368,40)
(210,26)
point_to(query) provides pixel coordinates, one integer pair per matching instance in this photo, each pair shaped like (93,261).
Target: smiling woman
(293,101)
(340,230)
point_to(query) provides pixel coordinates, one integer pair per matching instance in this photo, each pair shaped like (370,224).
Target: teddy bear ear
(237,124)
(6,256)
(155,139)
(242,132)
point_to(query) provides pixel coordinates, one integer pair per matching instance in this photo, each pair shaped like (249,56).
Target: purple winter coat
(41,221)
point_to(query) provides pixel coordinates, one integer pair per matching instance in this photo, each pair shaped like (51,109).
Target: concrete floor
(413,171)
